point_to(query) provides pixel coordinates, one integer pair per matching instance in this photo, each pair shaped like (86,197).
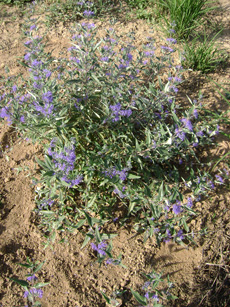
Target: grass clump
(202,54)
(186,15)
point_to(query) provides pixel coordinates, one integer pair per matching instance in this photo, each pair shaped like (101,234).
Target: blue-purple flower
(64,162)
(14,88)
(5,113)
(100,248)
(117,112)
(27,56)
(168,236)
(47,97)
(47,73)
(171,40)
(180,234)
(88,13)
(177,208)
(180,134)
(36,63)
(32,27)
(32,277)
(189,202)
(35,292)
(187,124)
(219,179)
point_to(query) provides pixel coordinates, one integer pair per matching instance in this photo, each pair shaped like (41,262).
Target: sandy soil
(75,277)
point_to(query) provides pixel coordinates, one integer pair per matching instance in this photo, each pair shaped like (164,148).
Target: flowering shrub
(30,285)
(153,295)
(112,131)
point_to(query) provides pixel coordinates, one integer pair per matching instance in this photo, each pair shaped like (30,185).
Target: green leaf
(106,298)
(21,282)
(161,191)
(132,176)
(39,267)
(108,236)
(80,223)
(172,297)
(25,265)
(141,299)
(48,163)
(148,137)
(48,174)
(41,284)
(74,81)
(98,236)
(96,79)
(46,212)
(86,241)
(41,163)
(138,148)
(23,64)
(64,183)
(90,203)
(37,304)
(185,225)
(131,206)
(89,219)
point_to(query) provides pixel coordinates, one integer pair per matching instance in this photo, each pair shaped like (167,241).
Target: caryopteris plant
(113,135)
(156,291)
(32,288)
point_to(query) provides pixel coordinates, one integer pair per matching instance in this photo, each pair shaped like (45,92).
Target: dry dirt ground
(75,277)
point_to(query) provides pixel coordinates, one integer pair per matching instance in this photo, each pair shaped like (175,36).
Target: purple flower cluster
(39,73)
(167,49)
(100,248)
(89,26)
(112,172)
(120,193)
(177,209)
(219,179)
(171,40)
(32,277)
(35,292)
(45,107)
(154,297)
(88,13)
(187,124)
(210,184)
(179,133)
(180,234)
(149,53)
(168,236)
(113,261)
(64,162)
(5,113)
(11,110)
(35,48)
(117,112)
(46,203)
(189,202)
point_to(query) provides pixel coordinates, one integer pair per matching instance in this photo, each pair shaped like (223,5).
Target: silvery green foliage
(32,288)
(154,293)
(114,133)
